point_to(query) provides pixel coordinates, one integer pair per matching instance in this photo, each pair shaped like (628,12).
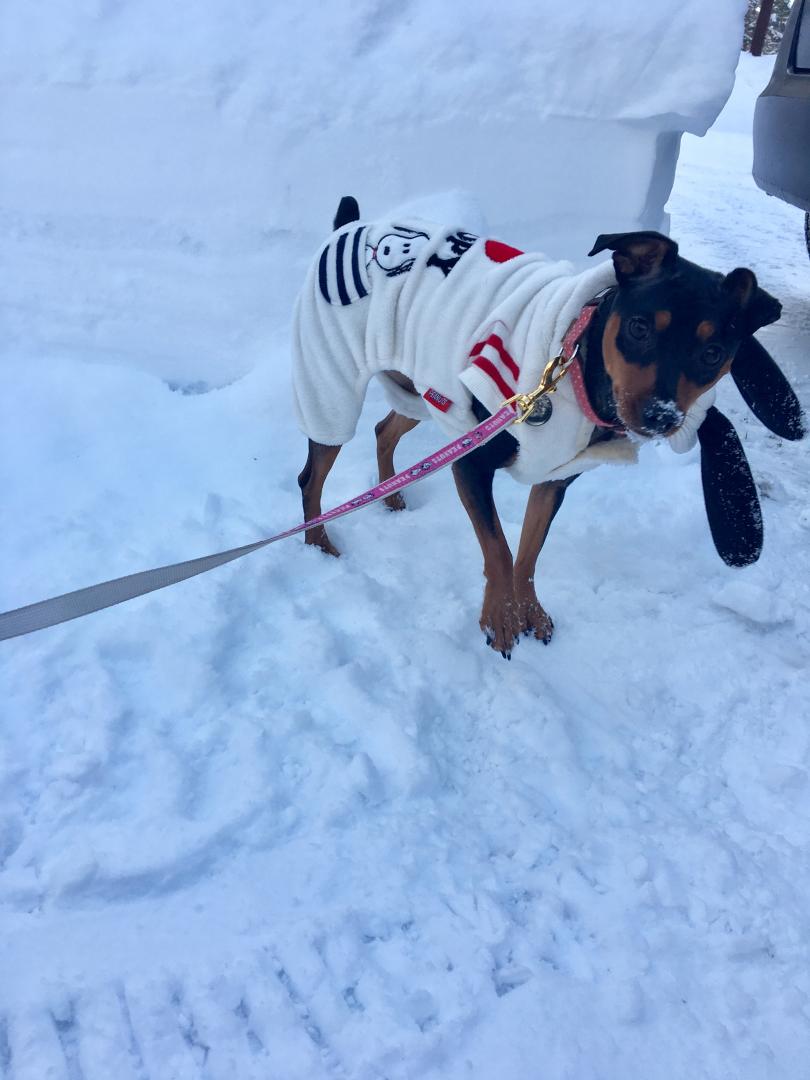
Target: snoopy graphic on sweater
(395,252)
(461,316)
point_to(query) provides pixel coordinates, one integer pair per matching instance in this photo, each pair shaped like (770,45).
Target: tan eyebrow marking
(688,392)
(705,330)
(662,319)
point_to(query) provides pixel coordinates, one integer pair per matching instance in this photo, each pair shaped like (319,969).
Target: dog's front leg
(544,502)
(499,618)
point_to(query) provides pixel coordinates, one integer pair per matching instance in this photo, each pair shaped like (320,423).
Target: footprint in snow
(753,604)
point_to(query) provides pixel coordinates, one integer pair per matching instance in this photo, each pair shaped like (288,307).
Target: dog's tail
(347,211)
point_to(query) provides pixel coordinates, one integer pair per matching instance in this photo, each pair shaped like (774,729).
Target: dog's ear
(729,492)
(756,307)
(766,391)
(638,256)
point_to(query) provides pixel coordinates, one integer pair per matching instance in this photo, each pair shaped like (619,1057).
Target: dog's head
(673,328)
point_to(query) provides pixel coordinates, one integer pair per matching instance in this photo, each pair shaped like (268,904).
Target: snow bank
(407,64)
(147,144)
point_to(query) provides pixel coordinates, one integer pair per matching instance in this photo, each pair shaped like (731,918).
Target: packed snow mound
(408,61)
(147,144)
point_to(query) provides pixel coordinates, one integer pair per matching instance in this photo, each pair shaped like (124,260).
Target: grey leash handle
(72,605)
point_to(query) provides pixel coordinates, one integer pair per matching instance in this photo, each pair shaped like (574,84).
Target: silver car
(782,119)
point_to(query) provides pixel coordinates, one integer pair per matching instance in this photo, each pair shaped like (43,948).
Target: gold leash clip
(554,370)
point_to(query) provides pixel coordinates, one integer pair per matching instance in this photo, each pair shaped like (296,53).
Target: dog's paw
(534,619)
(499,623)
(318,537)
(506,653)
(395,501)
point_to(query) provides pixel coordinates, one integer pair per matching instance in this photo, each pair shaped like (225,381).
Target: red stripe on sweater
(499,347)
(489,369)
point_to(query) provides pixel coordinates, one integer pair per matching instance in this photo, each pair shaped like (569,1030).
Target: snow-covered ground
(293,820)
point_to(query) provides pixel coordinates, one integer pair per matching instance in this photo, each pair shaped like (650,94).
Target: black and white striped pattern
(342,276)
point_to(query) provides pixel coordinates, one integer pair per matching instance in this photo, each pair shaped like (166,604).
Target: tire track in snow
(6,1056)
(132,1044)
(304,1013)
(255,1044)
(68,1033)
(188,1029)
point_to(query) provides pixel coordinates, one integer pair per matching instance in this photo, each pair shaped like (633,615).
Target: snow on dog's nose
(660,417)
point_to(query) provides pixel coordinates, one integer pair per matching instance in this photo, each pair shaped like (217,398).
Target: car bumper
(781,146)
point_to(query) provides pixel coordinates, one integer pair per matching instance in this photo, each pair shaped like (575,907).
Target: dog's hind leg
(544,502)
(320,460)
(389,431)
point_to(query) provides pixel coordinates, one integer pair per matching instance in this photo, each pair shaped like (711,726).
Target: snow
(163,188)
(271,59)
(293,819)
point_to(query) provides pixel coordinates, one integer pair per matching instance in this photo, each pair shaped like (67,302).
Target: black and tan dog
(665,333)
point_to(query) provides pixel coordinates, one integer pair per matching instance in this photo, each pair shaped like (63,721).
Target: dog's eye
(712,356)
(638,328)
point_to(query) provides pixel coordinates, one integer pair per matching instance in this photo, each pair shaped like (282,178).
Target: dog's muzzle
(660,417)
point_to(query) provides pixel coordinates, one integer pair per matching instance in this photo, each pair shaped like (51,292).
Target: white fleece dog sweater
(461,316)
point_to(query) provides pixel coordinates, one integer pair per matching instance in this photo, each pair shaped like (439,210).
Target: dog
(455,324)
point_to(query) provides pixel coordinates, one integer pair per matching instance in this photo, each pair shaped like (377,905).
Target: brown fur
(389,431)
(689,392)
(632,384)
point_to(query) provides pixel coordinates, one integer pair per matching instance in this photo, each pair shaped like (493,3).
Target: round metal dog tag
(541,412)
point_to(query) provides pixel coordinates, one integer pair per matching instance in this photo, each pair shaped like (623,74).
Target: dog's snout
(660,417)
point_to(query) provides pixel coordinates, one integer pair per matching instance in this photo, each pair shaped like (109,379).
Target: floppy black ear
(638,255)
(729,492)
(756,307)
(766,391)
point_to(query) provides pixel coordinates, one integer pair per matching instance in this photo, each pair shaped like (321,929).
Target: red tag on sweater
(500,252)
(439,401)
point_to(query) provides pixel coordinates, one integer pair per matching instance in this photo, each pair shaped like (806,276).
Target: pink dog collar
(569,350)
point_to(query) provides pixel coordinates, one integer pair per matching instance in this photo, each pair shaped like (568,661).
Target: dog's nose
(660,417)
